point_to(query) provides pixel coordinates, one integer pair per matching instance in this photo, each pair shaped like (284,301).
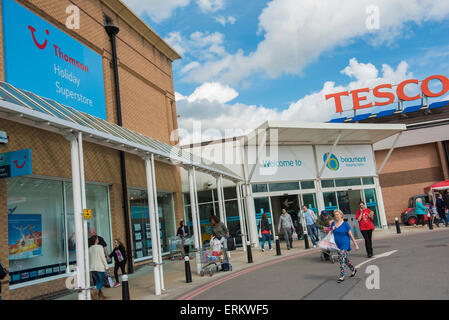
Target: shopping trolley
(214,258)
(177,247)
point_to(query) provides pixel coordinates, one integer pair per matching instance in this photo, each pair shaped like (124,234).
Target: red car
(408,216)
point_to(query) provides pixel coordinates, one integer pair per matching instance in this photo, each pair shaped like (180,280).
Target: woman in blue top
(343,235)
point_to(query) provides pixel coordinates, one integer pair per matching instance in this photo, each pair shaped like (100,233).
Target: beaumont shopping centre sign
(385,91)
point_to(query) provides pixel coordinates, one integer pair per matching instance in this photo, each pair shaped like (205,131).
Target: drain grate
(436,245)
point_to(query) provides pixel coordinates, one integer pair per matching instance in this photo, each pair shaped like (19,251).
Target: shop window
(347,182)
(230,193)
(204,196)
(309,199)
(284,186)
(327,183)
(41,226)
(140,219)
(371,203)
(166,219)
(307,185)
(330,201)
(96,200)
(233,220)
(36,229)
(260,188)
(140,223)
(186,197)
(367,181)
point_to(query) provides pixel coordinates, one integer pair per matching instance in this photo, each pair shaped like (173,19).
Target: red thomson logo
(16,162)
(40,46)
(58,52)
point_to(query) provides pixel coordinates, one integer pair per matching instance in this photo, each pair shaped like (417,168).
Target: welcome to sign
(44,60)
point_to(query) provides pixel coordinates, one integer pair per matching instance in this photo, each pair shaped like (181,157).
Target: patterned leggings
(344,260)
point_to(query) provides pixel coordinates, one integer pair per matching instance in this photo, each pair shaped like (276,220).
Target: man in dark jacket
(441,208)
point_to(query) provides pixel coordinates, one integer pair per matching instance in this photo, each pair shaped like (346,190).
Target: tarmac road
(415,266)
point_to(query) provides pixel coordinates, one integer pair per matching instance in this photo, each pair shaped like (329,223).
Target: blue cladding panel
(412,109)
(360,117)
(439,104)
(385,113)
(338,120)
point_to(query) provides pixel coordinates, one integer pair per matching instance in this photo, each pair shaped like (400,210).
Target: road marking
(385,254)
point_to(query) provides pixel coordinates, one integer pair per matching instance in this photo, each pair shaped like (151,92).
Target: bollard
(429,219)
(278,246)
(306,240)
(398,228)
(249,252)
(125,287)
(188,271)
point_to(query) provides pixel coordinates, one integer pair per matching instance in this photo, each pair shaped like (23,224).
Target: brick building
(421,155)
(148,107)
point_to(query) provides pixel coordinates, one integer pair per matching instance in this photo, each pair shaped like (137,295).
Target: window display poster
(24,236)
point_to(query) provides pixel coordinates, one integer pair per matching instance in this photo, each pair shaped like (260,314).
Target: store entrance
(287,202)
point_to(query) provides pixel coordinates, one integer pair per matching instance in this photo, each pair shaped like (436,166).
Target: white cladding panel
(347,161)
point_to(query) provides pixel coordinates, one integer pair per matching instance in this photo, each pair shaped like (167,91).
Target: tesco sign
(385,91)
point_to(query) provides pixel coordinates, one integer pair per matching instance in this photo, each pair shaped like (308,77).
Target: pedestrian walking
(183,233)
(323,223)
(98,266)
(441,208)
(343,236)
(365,217)
(285,221)
(119,255)
(310,219)
(446,198)
(265,231)
(420,211)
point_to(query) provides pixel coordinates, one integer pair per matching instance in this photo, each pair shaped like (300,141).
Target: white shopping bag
(328,242)
(294,236)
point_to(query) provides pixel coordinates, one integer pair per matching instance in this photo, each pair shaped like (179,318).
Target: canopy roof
(318,133)
(437,186)
(28,108)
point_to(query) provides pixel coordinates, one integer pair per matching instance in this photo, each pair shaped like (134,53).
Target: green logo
(333,163)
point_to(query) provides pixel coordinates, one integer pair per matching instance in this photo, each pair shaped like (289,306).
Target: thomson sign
(44,60)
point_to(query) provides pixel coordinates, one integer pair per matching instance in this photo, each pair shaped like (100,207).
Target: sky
(246,62)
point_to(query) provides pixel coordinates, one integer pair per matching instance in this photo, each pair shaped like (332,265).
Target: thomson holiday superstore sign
(43,59)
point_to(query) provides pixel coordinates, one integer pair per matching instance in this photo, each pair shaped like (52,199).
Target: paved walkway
(141,282)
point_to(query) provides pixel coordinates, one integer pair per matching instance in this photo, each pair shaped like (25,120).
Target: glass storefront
(140,220)
(41,226)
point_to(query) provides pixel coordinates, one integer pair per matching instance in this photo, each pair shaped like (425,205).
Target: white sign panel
(282,164)
(346,161)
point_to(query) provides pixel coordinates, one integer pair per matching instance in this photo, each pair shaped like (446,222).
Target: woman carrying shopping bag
(98,266)
(343,235)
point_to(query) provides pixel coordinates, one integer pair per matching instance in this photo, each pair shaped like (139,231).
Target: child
(119,255)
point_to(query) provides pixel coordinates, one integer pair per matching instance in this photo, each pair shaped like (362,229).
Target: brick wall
(408,171)
(147,99)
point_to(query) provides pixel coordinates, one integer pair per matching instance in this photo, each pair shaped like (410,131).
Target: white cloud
(210,5)
(208,104)
(175,41)
(223,20)
(212,92)
(296,33)
(158,10)
(190,66)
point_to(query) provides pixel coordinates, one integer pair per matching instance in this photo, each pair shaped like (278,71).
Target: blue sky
(245,62)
